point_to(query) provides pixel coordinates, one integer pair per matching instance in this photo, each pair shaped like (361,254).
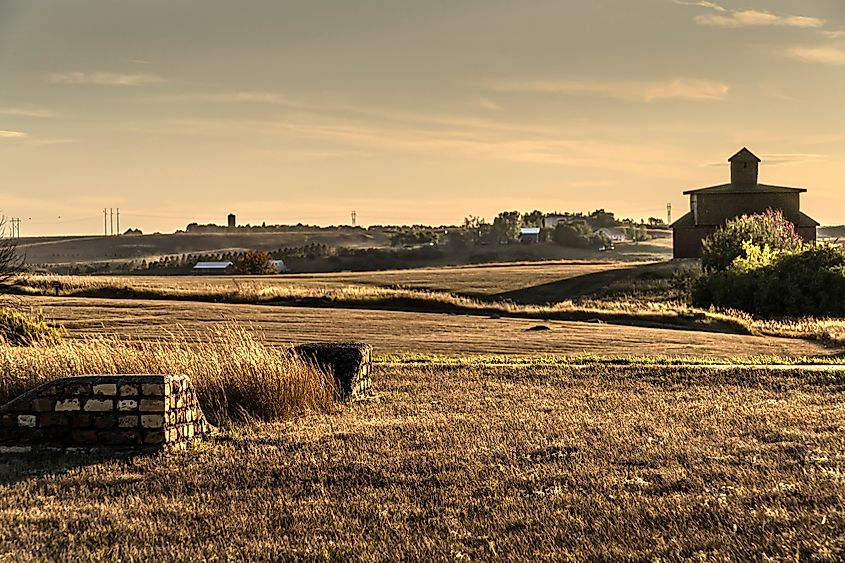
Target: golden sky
(420,111)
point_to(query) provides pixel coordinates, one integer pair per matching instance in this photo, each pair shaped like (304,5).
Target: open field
(53,250)
(486,280)
(562,464)
(406,332)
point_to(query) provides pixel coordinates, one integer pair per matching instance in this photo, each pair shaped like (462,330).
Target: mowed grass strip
(333,292)
(534,463)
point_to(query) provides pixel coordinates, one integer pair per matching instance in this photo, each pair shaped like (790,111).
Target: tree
(770,228)
(11,261)
(506,226)
(533,219)
(601,218)
(577,234)
(254,262)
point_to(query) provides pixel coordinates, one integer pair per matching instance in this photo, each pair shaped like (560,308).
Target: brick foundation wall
(104,412)
(349,363)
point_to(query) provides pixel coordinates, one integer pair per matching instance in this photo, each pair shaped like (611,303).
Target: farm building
(613,234)
(711,207)
(529,235)
(214,268)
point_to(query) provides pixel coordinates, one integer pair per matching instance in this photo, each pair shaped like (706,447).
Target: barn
(711,207)
(214,268)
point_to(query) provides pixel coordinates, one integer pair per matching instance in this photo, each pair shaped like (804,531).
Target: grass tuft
(236,375)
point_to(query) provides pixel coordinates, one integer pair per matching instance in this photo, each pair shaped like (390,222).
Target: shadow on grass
(18,467)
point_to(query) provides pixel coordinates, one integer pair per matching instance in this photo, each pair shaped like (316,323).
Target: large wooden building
(711,207)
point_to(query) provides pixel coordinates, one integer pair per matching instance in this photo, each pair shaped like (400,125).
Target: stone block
(127,405)
(78,389)
(154,389)
(15,449)
(154,438)
(67,405)
(27,420)
(128,421)
(152,420)
(43,404)
(105,422)
(151,405)
(84,436)
(107,389)
(120,437)
(80,421)
(50,419)
(98,405)
(128,390)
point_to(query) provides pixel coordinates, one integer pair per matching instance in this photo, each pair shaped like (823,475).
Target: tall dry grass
(236,375)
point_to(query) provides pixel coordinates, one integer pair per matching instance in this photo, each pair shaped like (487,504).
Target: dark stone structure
(711,207)
(105,413)
(349,363)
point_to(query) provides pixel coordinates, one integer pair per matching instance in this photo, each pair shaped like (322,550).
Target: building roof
(743,189)
(806,221)
(212,265)
(529,231)
(688,220)
(744,155)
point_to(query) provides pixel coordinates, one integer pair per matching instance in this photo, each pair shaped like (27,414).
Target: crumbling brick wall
(108,412)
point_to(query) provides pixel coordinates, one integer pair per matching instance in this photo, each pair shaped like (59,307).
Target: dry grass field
(557,464)
(402,332)
(480,281)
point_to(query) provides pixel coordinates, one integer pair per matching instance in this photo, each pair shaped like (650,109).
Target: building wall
(686,241)
(715,209)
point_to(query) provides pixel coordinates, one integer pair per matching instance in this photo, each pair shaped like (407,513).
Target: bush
(576,234)
(770,228)
(806,282)
(18,328)
(256,263)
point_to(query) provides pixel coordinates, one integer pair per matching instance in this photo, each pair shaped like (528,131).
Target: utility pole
(111,221)
(105,223)
(15,227)
(668,213)
(118,221)
(354,218)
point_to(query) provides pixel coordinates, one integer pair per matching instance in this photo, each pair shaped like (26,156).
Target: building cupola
(744,168)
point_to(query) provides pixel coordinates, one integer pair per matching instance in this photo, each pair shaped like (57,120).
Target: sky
(408,111)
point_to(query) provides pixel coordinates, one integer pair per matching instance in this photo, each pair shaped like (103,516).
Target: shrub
(806,282)
(577,234)
(256,263)
(18,328)
(770,229)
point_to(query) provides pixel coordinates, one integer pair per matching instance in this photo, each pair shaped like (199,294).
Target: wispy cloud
(734,19)
(488,104)
(104,78)
(775,159)
(823,54)
(11,134)
(757,18)
(25,112)
(643,91)
(244,96)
